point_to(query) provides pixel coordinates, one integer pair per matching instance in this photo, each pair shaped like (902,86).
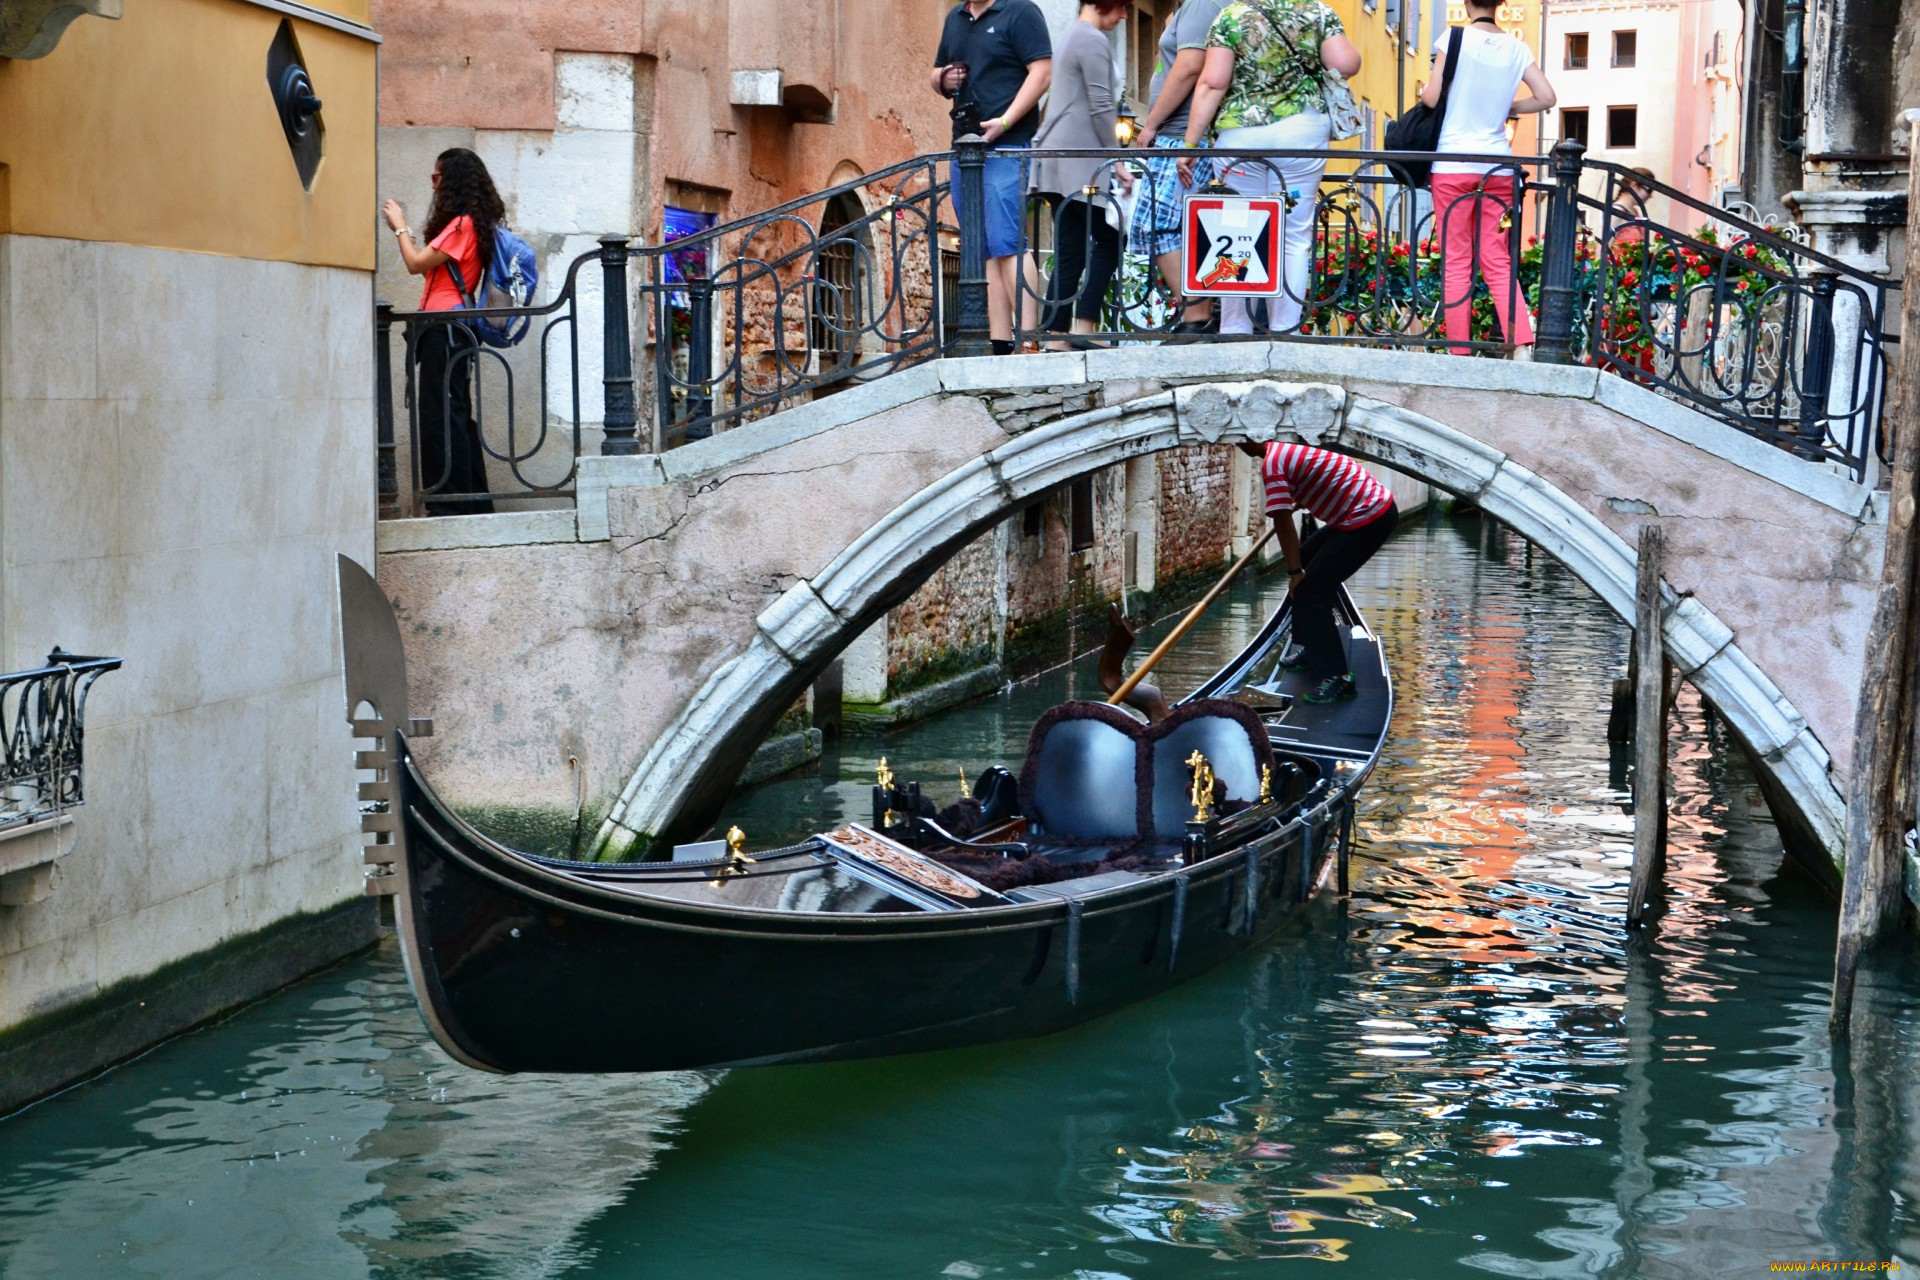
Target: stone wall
(183,451)
(1196,511)
(952,623)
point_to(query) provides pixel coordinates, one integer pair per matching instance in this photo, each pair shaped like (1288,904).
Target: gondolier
(1357,515)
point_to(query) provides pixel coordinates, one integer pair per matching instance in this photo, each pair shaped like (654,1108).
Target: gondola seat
(1234,741)
(1097,783)
(1079,782)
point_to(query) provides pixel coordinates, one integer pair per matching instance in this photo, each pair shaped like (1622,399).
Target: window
(837,312)
(1080,502)
(1573,125)
(1623,126)
(1626,48)
(1393,15)
(1576,51)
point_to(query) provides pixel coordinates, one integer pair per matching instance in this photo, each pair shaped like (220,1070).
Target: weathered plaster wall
(160,129)
(496,66)
(183,451)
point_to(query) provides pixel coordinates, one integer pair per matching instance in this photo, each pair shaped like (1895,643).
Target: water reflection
(1463,1071)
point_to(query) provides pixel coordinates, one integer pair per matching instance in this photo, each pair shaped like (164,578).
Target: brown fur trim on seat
(1002,874)
(1200,709)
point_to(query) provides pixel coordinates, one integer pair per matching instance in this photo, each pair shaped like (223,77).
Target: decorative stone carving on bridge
(31,28)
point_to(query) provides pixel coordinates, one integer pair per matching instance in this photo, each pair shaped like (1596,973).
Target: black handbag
(1418,128)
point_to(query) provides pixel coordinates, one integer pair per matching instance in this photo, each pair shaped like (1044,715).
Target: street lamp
(1127,127)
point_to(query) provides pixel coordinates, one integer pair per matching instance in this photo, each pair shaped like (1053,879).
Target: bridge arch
(689,766)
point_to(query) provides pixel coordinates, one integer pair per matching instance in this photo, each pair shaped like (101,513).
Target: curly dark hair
(466,189)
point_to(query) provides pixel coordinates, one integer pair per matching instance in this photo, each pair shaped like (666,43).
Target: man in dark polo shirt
(995,61)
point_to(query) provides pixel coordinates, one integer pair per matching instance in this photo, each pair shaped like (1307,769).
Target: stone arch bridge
(620,662)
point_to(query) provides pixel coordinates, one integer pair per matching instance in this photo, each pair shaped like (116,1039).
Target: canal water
(1465,1070)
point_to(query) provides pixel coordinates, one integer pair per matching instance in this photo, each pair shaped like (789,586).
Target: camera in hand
(965,113)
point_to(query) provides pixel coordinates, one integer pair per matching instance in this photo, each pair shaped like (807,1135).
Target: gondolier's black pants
(1330,556)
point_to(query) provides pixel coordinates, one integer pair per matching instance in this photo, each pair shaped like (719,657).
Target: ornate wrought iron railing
(42,732)
(665,344)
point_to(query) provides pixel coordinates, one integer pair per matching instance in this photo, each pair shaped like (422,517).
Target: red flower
(1741,286)
(1752,251)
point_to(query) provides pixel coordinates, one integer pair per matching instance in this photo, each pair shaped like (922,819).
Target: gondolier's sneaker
(1333,689)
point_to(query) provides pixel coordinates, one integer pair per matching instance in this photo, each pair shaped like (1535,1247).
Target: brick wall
(1196,511)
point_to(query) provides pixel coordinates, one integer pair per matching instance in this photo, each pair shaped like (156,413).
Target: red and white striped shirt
(1335,489)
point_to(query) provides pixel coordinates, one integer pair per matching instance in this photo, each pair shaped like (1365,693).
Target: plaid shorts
(1160,200)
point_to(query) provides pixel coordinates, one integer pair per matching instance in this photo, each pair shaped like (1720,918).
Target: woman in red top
(450,457)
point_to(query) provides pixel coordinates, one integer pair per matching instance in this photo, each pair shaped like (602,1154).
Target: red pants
(1467,208)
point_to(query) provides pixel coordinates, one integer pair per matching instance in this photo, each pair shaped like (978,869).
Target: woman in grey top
(1081,114)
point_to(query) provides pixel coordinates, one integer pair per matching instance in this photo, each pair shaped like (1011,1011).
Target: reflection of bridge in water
(1721,381)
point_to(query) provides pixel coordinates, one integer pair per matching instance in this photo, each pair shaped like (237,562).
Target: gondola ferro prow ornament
(374,663)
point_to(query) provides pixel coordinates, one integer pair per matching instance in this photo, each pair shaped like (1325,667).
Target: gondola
(1120,859)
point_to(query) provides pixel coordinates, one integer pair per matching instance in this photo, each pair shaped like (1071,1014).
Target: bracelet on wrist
(402,231)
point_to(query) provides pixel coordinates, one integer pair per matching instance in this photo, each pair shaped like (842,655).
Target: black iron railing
(42,731)
(666,344)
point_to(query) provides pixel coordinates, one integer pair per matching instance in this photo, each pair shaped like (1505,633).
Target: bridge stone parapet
(622,660)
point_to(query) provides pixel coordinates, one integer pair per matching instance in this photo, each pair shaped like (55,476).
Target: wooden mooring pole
(1880,800)
(1650,680)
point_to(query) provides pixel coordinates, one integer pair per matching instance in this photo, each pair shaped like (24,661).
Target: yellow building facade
(186,444)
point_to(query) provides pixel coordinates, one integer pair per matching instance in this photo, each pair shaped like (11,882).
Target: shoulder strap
(1454,40)
(459,281)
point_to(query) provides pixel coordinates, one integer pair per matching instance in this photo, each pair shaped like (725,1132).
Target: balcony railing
(666,344)
(42,732)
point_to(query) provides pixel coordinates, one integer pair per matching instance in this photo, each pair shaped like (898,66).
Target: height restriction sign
(1231,246)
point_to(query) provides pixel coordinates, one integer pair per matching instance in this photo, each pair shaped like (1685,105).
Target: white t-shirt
(1491,64)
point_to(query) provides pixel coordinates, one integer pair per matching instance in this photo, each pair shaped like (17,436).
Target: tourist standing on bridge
(458,238)
(1471,197)
(995,61)
(1157,214)
(1263,86)
(1081,116)
(1357,515)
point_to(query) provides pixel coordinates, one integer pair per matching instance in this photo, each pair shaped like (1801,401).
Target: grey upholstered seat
(1081,774)
(1234,743)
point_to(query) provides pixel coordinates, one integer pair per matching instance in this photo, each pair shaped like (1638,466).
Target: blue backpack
(509,281)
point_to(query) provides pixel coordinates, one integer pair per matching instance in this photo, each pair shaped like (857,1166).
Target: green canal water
(1464,1070)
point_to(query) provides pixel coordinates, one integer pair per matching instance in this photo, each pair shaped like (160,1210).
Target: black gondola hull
(526,969)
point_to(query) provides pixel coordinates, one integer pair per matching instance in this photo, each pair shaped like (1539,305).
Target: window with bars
(1573,125)
(837,310)
(1576,58)
(1626,48)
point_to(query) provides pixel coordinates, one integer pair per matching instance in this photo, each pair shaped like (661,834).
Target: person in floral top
(1263,88)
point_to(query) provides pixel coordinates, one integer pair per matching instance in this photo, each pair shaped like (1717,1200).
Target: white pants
(1299,181)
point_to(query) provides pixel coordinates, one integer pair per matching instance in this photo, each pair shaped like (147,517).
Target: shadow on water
(1464,1070)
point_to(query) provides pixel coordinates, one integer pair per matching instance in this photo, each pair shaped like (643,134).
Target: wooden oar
(1186,624)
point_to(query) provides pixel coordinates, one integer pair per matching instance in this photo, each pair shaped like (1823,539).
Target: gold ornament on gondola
(737,859)
(966,792)
(1202,786)
(884,777)
(1266,784)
